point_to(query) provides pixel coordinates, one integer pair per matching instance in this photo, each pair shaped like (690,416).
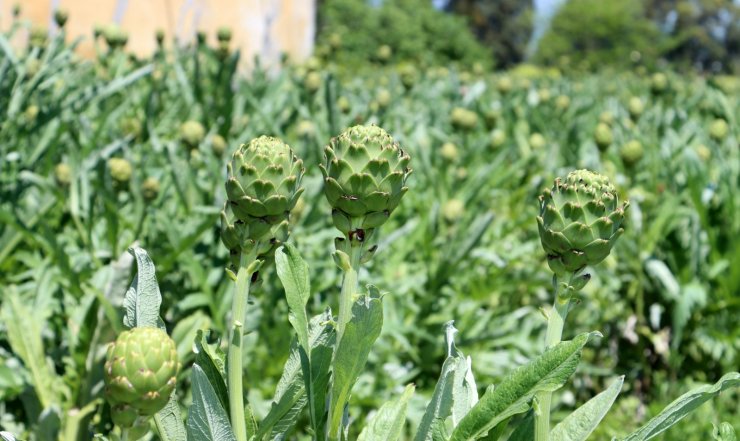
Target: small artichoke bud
(453,210)
(498,138)
(16,10)
(537,141)
(38,36)
(365,174)
(384,53)
(463,119)
(60,17)
(635,107)
(409,76)
(313,81)
(719,129)
(544,95)
(120,170)
(606,117)
(335,41)
(263,186)
(131,126)
(223,34)
(383,98)
(562,102)
(703,152)
(31,113)
(192,133)
(140,372)
(62,174)
(123,415)
(449,152)
(580,220)
(504,85)
(218,145)
(343,104)
(159,37)
(200,37)
(603,136)
(150,189)
(631,153)
(305,128)
(658,83)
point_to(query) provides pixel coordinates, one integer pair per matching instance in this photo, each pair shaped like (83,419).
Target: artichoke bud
(635,107)
(603,136)
(123,415)
(192,133)
(719,129)
(631,153)
(463,119)
(218,145)
(365,173)
(150,189)
(140,372)
(62,174)
(580,220)
(60,17)
(223,34)
(120,170)
(263,186)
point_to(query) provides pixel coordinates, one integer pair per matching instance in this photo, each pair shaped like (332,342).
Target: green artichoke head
(263,186)
(140,372)
(365,174)
(192,133)
(580,220)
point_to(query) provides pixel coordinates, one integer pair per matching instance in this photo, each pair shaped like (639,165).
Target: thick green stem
(235,370)
(349,289)
(555,323)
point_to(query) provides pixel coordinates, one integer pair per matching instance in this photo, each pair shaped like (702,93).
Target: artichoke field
(231,179)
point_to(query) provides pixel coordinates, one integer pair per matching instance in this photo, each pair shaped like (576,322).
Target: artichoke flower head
(365,174)
(140,373)
(263,186)
(580,221)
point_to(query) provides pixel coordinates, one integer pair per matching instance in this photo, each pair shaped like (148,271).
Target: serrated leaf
(208,419)
(24,336)
(682,406)
(143,299)
(169,422)
(441,404)
(547,372)
(351,354)
(293,273)
(387,425)
(211,360)
(578,425)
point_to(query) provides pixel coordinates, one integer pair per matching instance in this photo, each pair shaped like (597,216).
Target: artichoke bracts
(365,174)
(140,373)
(263,185)
(580,220)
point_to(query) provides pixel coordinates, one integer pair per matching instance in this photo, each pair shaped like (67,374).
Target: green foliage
(593,34)
(353,32)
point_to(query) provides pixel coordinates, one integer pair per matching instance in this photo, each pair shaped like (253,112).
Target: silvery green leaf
(387,424)
(207,420)
(547,372)
(682,406)
(725,432)
(294,275)
(578,425)
(351,354)
(143,299)
(169,422)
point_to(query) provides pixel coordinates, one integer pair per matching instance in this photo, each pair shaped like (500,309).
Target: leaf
(143,299)
(682,406)
(547,372)
(169,422)
(293,273)
(578,425)
(387,425)
(290,397)
(208,420)
(449,387)
(322,337)
(24,336)
(210,359)
(351,354)
(524,431)
(725,432)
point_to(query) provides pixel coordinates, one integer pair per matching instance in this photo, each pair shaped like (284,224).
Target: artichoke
(463,119)
(631,153)
(62,174)
(192,133)
(603,136)
(635,107)
(223,34)
(150,189)
(218,145)
(365,174)
(60,17)
(498,138)
(580,220)
(263,186)
(140,373)
(120,170)
(719,129)
(537,141)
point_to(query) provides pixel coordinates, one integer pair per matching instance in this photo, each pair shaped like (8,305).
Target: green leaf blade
(578,425)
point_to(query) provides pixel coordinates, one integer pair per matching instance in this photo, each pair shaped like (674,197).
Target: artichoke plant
(263,185)
(140,373)
(365,174)
(580,220)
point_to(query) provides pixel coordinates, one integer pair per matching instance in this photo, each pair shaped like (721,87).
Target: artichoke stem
(235,369)
(349,289)
(555,324)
